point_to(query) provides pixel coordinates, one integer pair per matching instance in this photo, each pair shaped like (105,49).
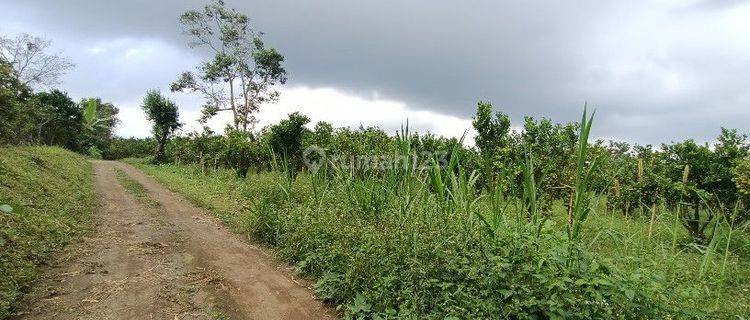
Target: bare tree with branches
(32,64)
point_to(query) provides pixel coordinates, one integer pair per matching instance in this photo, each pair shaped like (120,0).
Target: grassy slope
(622,242)
(692,279)
(52,195)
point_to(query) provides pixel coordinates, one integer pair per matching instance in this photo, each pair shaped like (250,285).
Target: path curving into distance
(166,261)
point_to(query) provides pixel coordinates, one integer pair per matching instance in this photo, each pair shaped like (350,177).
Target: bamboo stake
(653,219)
(570,210)
(640,169)
(640,179)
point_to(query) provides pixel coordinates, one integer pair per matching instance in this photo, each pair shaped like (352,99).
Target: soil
(173,261)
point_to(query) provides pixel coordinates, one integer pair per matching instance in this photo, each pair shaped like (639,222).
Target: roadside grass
(696,278)
(221,193)
(136,189)
(51,193)
(371,262)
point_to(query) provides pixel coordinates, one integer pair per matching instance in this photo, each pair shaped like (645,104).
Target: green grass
(136,189)
(380,252)
(218,315)
(52,195)
(722,291)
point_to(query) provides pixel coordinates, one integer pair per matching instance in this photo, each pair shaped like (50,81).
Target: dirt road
(171,261)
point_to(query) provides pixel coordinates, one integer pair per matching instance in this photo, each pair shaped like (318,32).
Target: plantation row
(705,183)
(441,242)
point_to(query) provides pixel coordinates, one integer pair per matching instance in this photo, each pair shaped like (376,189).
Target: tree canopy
(240,64)
(164,116)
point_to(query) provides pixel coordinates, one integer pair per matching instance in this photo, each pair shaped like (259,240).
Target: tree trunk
(161,143)
(232,104)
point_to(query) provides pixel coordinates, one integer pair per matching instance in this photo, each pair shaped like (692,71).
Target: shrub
(94,152)
(240,151)
(285,140)
(742,177)
(121,148)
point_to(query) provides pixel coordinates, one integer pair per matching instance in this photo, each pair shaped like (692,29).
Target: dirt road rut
(172,261)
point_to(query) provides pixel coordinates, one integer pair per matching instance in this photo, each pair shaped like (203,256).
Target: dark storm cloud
(656,71)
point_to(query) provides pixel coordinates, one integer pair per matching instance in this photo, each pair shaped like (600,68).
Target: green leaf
(89,114)
(630,294)
(360,305)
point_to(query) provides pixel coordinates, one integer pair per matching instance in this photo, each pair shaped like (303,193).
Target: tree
(100,119)
(321,136)
(241,64)
(33,66)
(163,113)
(286,139)
(731,149)
(741,177)
(240,150)
(552,146)
(60,119)
(494,141)
(13,101)
(698,184)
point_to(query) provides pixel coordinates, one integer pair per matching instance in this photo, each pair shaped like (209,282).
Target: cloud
(347,110)
(320,104)
(656,70)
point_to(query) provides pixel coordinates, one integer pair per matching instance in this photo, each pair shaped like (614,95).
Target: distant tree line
(705,184)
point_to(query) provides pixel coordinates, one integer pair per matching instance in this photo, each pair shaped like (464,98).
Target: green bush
(94,152)
(121,148)
(742,177)
(51,194)
(241,151)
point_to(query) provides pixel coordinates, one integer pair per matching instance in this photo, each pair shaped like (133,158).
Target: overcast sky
(656,71)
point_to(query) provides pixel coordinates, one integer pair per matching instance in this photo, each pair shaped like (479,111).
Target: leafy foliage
(100,122)
(121,148)
(51,118)
(241,151)
(14,97)
(240,61)
(60,119)
(286,140)
(495,143)
(742,177)
(46,117)
(165,119)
